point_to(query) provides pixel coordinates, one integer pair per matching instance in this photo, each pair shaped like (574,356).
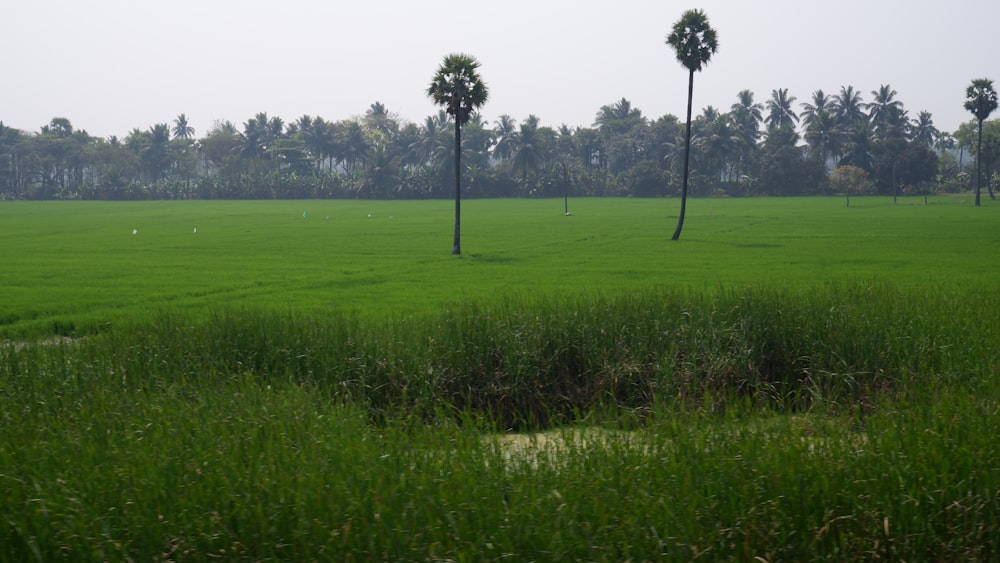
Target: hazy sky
(114,65)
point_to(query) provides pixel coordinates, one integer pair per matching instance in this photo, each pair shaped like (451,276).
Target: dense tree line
(831,143)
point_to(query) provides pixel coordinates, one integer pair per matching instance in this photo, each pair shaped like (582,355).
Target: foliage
(851,180)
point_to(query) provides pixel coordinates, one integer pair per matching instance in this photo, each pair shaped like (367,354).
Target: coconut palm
(779,110)
(810,111)
(458,87)
(981,100)
(506,133)
(694,41)
(886,112)
(822,135)
(923,129)
(181,129)
(848,107)
(747,115)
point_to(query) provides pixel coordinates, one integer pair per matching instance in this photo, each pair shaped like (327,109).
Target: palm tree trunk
(687,159)
(457,248)
(979,162)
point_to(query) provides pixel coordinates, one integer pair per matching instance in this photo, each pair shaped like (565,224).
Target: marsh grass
(534,361)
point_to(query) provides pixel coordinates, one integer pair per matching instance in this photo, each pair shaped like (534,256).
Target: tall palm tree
(779,110)
(181,129)
(694,41)
(458,87)
(981,100)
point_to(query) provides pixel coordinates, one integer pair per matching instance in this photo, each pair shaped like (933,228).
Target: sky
(111,66)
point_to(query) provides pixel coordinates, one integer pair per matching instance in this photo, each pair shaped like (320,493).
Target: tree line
(842,142)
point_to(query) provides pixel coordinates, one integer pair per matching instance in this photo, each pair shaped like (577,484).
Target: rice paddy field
(795,379)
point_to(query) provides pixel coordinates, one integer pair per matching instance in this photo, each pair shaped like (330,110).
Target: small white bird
(196,229)
(135,231)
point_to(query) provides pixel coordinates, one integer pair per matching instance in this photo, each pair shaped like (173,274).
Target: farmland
(793,379)
(69,265)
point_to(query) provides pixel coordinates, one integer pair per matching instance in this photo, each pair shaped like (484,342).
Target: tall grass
(541,359)
(106,458)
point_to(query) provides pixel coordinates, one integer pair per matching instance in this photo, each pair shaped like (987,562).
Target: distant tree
(506,133)
(981,100)
(747,116)
(529,153)
(779,110)
(156,157)
(694,41)
(857,147)
(618,118)
(886,113)
(923,129)
(458,87)
(851,180)
(810,111)
(181,129)
(823,136)
(848,108)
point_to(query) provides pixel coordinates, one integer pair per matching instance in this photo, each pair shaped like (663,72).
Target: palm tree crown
(458,87)
(693,39)
(981,98)
(181,129)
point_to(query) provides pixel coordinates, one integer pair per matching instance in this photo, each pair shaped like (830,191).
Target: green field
(795,379)
(74,266)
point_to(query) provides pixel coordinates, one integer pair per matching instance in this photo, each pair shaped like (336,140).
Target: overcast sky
(114,65)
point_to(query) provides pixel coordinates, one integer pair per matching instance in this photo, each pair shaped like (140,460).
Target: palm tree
(848,107)
(618,117)
(458,87)
(820,103)
(747,116)
(779,110)
(181,129)
(530,152)
(822,135)
(923,129)
(885,111)
(694,41)
(506,133)
(981,100)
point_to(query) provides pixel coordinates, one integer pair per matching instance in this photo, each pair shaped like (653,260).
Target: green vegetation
(771,147)
(795,380)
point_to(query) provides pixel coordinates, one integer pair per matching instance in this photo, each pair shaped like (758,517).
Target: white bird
(135,231)
(196,229)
